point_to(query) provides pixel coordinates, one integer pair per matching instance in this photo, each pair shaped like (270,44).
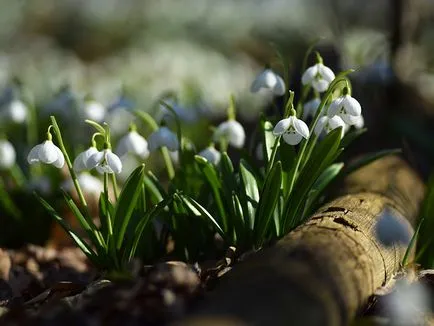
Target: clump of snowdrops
(207,195)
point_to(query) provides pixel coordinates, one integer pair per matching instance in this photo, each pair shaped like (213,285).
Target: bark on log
(324,272)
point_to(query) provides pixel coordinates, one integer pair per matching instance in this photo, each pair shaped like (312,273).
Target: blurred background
(204,50)
(130,53)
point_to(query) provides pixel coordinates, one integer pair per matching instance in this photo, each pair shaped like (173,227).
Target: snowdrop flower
(409,303)
(81,161)
(15,111)
(133,143)
(88,183)
(7,155)
(347,107)
(163,137)
(47,153)
(211,154)
(391,230)
(94,110)
(360,122)
(326,124)
(310,108)
(105,162)
(268,80)
(232,131)
(292,129)
(318,76)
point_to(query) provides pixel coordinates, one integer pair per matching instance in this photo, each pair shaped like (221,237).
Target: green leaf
(149,216)
(268,200)
(155,189)
(126,203)
(214,181)
(190,201)
(85,222)
(326,177)
(369,158)
(78,241)
(287,156)
(249,189)
(239,224)
(322,156)
(411,244)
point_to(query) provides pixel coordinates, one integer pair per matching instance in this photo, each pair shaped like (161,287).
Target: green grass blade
(126,204)
(249,189)
(267,203)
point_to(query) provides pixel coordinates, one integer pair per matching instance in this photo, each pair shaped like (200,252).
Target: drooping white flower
(94,110)
(15,111)
(268,79)
(318,76)
(7,154)
(310,108)
(81,161)
(163,137)
(347,107)
(232,131)
(326,124)
(292,129)
(47,153)
(105,161)
(211,155)
(133,143)
(360,122)
(88,183)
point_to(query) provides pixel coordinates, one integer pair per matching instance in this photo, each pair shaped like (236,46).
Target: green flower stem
(115,186)
(150,122)
(178,130)
(231,109)
(106,194)
(273,153)
(69,164)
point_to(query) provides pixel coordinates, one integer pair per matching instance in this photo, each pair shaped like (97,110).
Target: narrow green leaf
(215,183)
(205,214)
(249,189)
(78,241)
(126,203)
(411,244)
(148,217)
(85,222)
(267,203)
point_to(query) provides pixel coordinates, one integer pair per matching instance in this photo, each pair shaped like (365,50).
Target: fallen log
(325,271)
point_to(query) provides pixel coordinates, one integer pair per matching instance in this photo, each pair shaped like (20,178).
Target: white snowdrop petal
(350,119)
(211,154)
(7,154)
(292,138)
(94,110)
(47,153)
(279,88)
(326,73)
(301,128)
(114,162)
(319,127)
(320,85)
(334,107)
(309,75)
(269,78)
(17,111)
(352,106)
(282,126)
(80,162)
(101,169)
(336,122)
(33,156)
(360,122)
(60,161)
(94,160)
